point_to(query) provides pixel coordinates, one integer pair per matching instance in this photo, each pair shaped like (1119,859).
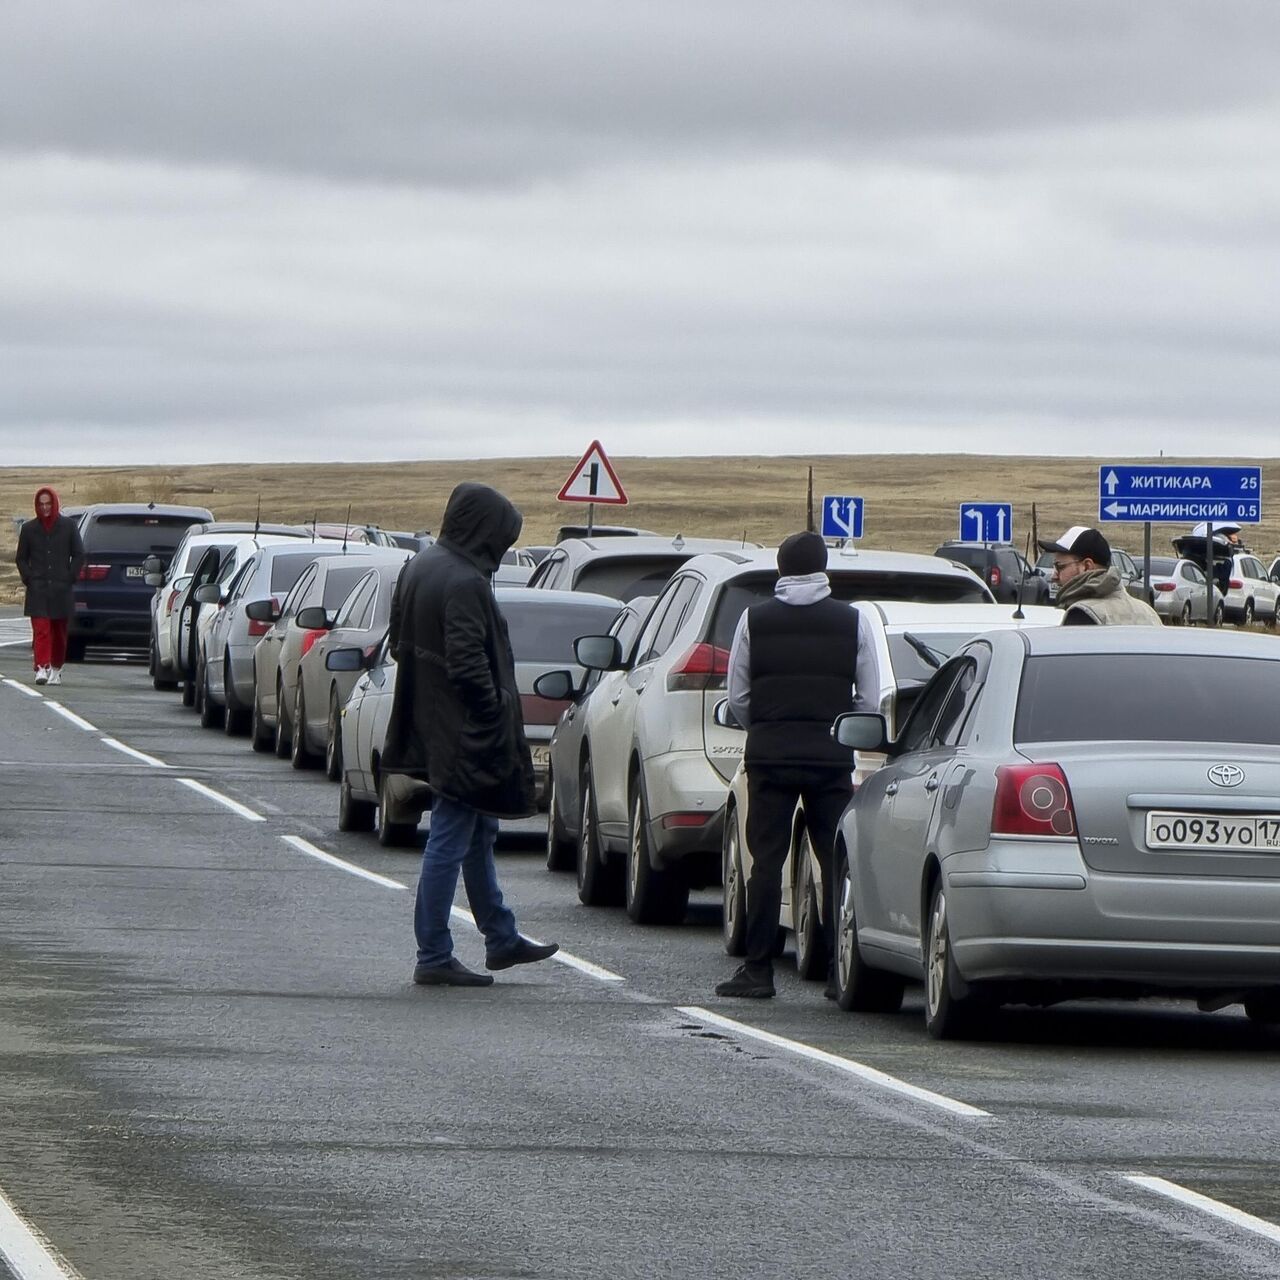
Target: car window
(338,581)
(242,579)
(685,593)
(293,600)
(134,534)
(547,572)
(625,577)
(545,633)
(359,604)
(974,558)
(654,621)
(918,730)
(286,570)
(1193,573)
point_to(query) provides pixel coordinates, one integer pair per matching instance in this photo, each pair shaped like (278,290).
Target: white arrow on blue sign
(1179,494)
(986,522)
(841,517)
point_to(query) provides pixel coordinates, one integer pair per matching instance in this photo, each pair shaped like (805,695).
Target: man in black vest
(791,672)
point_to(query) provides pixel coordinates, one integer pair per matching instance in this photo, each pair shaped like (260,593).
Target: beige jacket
(1098,598)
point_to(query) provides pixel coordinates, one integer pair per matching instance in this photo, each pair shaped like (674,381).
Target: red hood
(47,521)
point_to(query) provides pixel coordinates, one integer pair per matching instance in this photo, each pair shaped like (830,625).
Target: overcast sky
(294,229)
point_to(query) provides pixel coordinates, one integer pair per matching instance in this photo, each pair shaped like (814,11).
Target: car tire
(734,887)
(561,851)
(1186,614)
(189,691)
(333,748)
(236,720)
(158,679)
(212,716)
(354,814)
(811,947)
(859,987)
(261,734)
(1247,618)
(282,740)
(300,755)
(653,895)
(75,649)
(599,882)
(1218,615)
(1263,1007)
(948,1015)
(392,835)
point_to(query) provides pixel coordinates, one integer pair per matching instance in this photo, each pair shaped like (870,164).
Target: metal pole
(1146,560)
(1208,557)
(591,518)
(808,522)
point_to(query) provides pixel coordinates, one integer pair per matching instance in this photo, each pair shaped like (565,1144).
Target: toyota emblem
(1226,775)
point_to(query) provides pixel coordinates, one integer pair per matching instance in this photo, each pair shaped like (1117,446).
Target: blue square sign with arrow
(986,522)
(841,517)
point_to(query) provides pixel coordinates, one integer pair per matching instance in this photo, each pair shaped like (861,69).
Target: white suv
(1252,593)
(654,765)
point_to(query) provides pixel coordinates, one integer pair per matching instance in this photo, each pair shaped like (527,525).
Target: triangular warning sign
(593,480)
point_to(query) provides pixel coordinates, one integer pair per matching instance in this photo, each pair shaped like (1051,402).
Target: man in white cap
(1090,591)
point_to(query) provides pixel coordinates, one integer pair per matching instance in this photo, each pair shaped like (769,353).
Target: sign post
(593,480)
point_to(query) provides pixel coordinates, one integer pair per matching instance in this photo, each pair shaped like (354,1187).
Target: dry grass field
(911,499)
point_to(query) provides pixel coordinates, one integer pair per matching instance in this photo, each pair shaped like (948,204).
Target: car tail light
(94,572)
(173,596)
(995,576)
(705,666)
(1165,586)
(257,628)
(1237,584)
(1032,800)
(670,820)
(308,639)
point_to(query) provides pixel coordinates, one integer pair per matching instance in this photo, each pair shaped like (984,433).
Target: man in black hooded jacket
(456,724)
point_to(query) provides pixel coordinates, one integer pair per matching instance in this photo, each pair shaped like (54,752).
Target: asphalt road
(214,1065)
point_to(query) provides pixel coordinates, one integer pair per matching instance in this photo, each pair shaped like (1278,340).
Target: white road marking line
(305,846)
(136,754)
(1236,1217)
(870,1074)
(234,805)
(564,957)
(22,688)
(67,714)
(29,1255)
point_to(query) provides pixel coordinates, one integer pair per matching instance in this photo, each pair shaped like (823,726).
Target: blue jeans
(459,838)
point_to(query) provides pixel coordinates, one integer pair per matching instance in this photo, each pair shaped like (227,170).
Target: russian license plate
(541,757)
(133,571)
(1213,831)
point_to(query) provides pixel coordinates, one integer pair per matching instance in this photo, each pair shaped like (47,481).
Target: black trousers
(772,794)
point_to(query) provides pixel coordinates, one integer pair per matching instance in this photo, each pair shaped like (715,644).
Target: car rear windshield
(545,633)
(1162,564)
(133,535)
(1148,697)
(942,588)
(338,583)
(974,557)
(909,666)
(194,554)
(286,570)
(626,577)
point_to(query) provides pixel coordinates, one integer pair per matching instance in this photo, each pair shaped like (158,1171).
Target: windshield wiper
(934,657)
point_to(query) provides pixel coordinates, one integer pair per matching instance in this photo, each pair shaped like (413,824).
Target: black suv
(1001,567)
(112,596)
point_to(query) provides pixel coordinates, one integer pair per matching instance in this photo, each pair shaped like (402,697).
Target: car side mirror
(555,686)
(153,579)
(344,659)
(598,653)
(863,731)
(313,618)
(207,593)
(723,715)
(152,564)
(262,611)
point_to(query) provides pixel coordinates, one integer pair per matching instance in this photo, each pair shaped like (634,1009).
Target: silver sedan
(1178,591)
(1054,822)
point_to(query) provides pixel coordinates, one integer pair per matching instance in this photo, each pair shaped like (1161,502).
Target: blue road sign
(1179,494)
(986,522)
(841,517)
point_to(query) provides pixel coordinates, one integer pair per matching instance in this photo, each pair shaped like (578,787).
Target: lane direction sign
(1166,494)
(986,522)
(841,516)
(593,480)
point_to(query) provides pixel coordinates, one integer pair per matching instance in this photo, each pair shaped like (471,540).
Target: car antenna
(744,539)
(346,528)
(315,520)
(257,519)
(1018,615)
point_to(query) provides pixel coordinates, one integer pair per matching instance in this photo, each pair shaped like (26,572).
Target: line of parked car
(1041,812)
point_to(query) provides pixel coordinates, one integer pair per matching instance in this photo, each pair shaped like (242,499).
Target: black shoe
(750,982)
(452,974)
(522,951)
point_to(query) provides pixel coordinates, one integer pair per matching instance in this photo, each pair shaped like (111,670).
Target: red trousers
(48,642)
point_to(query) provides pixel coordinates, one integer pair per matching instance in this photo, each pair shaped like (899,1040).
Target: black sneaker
(522,951)
(452,974)
(749,982)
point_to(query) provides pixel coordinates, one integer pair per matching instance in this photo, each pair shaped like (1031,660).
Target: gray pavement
(215,1065)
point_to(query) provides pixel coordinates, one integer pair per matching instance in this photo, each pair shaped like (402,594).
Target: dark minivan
(112,596)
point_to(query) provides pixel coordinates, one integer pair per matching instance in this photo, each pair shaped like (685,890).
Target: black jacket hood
(481,524)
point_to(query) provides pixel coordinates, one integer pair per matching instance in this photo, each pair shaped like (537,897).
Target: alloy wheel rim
(733,879)
(584,840)
(551,814)
(633,863)
(937,954)
(844,938)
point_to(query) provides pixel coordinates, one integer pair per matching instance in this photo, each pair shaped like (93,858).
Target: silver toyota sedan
(1074,811)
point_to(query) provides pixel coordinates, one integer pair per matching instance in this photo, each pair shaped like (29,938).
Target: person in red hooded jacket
(50,557)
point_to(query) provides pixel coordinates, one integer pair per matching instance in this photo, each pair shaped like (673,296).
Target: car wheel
(859,988)
(1186,614)
(1263,1007)
(392,835)
(261,735)
(189,690)
(734,887)
(282,741)
(1218,614)
(947,1015)
(560,849)
(599,884)
(353,814)
(654,896)
(236,720)
(1247,619)
(158,679)
(300,755)
(811,949)
(333,748)
(212,715)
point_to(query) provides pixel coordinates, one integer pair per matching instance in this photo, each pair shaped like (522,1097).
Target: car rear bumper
(109,626)
(680,788)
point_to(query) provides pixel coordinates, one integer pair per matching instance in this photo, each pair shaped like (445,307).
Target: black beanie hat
(800,554)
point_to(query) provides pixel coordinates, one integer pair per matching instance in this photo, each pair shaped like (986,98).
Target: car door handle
(891,789)
(932,784)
